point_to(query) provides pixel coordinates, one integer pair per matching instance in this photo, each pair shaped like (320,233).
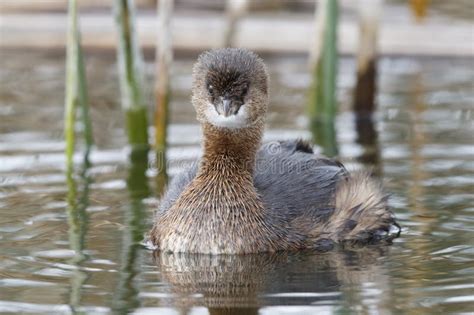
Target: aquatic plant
(323,60)
(76,95)
(76,88)
(364,102)
(164,58)
(322,104)
(133,103)
(364,94)
(131,75)
(324,134)
(234,11)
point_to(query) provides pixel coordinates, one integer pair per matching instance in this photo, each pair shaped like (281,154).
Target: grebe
(242,197)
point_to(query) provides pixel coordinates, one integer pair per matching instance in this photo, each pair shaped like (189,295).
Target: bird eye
(210,88)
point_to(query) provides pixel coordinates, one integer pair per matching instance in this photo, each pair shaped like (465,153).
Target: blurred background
(398,99)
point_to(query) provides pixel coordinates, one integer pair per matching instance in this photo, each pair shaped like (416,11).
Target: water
(73,243)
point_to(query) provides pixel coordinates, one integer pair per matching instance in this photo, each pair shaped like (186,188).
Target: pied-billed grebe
(246,198)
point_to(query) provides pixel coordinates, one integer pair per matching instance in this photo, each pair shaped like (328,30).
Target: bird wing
(292,180)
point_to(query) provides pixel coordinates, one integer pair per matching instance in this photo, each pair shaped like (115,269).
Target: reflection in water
(416,191)
(161,179)
(137,182)
(126,294)
(233,284)
(324,134)
(367,138)
(365,90)
(417,142)
(78,201)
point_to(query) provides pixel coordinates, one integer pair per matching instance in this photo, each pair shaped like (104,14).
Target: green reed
(323,104)
(131,75)
(324,134)
(76,95)
(76,88)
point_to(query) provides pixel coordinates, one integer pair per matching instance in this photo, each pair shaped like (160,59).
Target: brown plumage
(244,198)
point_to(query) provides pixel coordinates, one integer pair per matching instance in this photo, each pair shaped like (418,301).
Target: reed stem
(322,104)
(235,9)
(72,56)
(84,104)
(131,74)
(76,94)
(76,88)
(364,96)
(164,58)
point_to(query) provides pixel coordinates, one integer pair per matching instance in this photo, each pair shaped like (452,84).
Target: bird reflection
(240,284)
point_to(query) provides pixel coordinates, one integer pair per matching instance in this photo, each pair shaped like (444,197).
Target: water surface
(72,243)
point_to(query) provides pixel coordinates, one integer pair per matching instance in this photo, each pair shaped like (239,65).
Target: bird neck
(227,151)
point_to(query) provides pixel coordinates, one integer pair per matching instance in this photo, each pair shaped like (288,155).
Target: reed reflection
(238,284)
(126,295)
(367,138)
(161,179)
(78,201)
(324,134)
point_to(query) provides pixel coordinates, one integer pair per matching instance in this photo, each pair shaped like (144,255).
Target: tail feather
(361,212)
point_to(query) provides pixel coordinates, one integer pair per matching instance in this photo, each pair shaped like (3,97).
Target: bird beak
(226,107)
